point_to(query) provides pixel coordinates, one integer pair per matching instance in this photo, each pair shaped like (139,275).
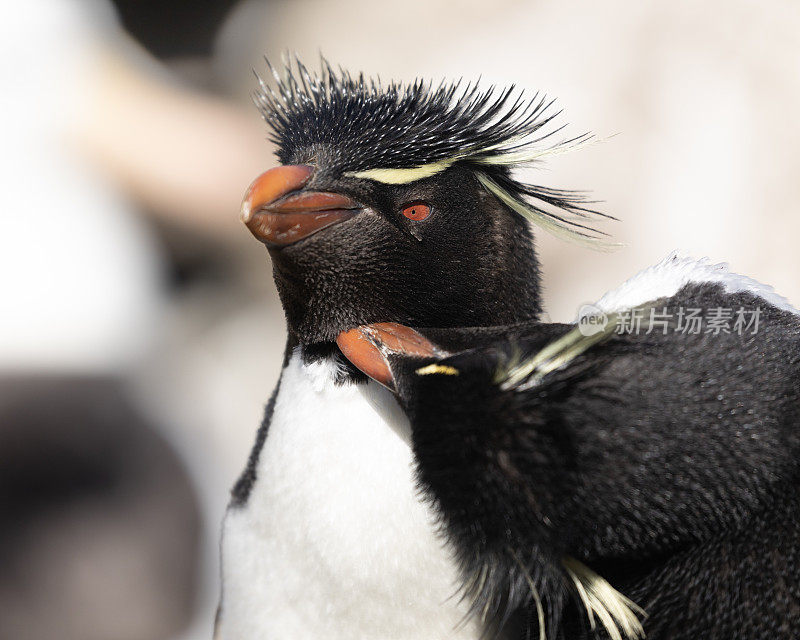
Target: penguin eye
(417,211)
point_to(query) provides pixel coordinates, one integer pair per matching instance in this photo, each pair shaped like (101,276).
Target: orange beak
(279,213)
(369,346)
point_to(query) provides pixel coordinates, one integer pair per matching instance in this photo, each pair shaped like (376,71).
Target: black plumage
(669,464)
(666,464)
(373,125)
(346,125)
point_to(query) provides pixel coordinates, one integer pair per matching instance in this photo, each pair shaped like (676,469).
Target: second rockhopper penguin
(668,462)
(397,204)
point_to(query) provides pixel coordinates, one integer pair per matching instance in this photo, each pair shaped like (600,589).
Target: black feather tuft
(396,126)
(349,125)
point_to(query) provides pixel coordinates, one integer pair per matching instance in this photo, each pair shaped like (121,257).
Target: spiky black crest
(398,133)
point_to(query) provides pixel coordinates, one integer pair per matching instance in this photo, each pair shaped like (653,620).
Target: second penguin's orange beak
(368,347)
(279,213)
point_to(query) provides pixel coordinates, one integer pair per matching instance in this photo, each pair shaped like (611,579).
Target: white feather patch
(334,541)
(674,272)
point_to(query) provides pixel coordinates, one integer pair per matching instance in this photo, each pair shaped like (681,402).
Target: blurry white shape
(79,273)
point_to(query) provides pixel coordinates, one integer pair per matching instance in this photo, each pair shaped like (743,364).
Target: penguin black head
(396,202)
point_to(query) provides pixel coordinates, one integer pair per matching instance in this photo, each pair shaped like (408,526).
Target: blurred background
(141,335)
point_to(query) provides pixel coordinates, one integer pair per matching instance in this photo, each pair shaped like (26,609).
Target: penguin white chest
(335,540)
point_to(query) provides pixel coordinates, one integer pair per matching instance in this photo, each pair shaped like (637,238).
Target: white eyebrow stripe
(403,176)
(480,156)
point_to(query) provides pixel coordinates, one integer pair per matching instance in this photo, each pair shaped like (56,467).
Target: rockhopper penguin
(364,513)
(668,462)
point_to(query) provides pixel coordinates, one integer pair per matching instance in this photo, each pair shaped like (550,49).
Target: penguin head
(396,203)
(400,357)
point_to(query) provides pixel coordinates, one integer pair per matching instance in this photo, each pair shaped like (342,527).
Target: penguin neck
(517,301)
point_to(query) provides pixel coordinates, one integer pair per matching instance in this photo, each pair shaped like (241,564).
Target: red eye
(417,211)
